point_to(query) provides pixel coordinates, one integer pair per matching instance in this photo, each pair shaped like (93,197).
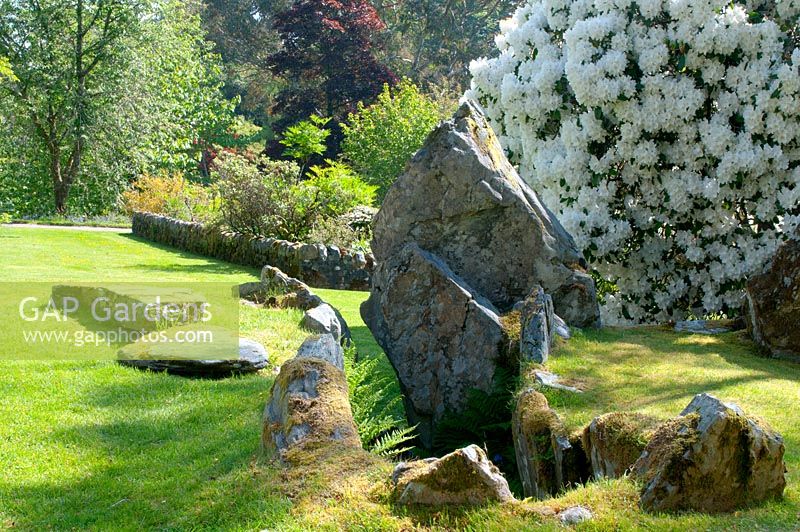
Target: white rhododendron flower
(664,133)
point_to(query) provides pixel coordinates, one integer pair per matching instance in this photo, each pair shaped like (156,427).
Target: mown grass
(91,445)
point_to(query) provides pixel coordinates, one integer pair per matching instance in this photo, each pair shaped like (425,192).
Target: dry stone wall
(317,265)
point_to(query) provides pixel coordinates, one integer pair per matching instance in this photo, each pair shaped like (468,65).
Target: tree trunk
(61,185)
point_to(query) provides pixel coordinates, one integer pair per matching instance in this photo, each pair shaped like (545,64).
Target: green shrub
(335,189)
(258,197)
(305,140)
(333,231)
(381,138)
(262,198)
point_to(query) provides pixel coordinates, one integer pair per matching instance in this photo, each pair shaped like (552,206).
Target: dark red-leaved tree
(327,59)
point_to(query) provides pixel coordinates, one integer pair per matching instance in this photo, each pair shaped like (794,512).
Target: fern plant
(376,403)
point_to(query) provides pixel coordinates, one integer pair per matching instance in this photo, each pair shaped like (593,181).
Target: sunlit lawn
(92,445)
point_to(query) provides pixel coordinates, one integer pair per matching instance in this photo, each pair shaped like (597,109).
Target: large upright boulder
(460,199)
(713,458)
(459,241)
(773,300)
(442,338)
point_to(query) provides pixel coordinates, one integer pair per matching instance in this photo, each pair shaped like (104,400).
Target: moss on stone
(324,409)
(615,441)
(667,448)
(512,328)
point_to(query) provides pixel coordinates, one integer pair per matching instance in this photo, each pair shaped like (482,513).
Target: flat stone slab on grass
(704,326)
(551,380)
(252,357)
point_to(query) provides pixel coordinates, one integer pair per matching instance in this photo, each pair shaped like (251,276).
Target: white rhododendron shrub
(665,135)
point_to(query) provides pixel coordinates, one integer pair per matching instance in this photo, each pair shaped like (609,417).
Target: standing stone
(465,476)
(442,338)
(324,319)
(309,402)
(773,301)
(539,443)
(322,347)
(536,325)
(711,459)
(460,199)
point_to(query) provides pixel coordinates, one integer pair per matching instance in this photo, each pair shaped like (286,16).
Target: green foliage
(5,70)
(149,98)
(258,197)
(380,139)
(335,231)
(262,198)
(375,405)
(335,189)
(306,139)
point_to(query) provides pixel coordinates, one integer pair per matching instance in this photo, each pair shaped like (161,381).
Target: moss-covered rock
(713,458)
(465,476)
(309,404)
(613,442)
(539,443)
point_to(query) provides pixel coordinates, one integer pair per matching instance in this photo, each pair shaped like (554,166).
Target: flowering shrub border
(664,133)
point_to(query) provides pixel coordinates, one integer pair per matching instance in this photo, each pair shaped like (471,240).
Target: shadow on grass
(212,265)
(157,452)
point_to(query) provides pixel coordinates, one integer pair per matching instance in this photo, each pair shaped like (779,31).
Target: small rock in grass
(324,319)
(551,380)
(465,476)
(703,326)
(574,515)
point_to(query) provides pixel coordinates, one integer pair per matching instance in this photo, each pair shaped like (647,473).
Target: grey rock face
(308,403)
(460,199)
(252,357)
(323,347)
(465,476)
(711,459)
(537,322)
(460,239)
(773,304)
(442,338)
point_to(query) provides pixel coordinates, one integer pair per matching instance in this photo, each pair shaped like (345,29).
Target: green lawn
(92,445)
